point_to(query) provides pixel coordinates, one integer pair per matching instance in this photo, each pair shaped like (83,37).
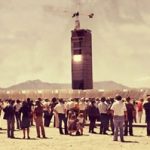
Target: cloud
(35,39)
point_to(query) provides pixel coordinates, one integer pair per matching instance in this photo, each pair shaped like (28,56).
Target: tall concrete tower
(81,50)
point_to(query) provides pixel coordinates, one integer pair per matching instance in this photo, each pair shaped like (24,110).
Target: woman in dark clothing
(25,119)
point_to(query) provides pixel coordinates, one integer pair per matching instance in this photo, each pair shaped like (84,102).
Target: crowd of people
(70,116)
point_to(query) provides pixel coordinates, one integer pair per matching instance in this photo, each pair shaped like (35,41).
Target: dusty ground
(65,142)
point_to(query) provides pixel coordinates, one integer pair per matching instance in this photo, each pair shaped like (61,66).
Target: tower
(81,51)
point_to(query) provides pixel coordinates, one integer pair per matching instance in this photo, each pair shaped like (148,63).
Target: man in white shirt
(103,110)
(61,111)
(119,112)
(70,105)
(82,107)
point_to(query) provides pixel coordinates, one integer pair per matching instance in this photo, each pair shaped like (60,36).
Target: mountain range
(38,84)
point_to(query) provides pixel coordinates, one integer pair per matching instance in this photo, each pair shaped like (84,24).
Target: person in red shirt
(140,109)
(38,116)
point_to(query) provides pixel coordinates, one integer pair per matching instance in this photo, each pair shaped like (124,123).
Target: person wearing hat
(118,110)
(146,107)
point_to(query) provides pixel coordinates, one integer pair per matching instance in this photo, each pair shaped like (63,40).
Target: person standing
(9,115)
(52,104)
(118,110)
(60,110)
(76,107)
(92,113)
(140,109)
(25,119)
(69,107)
(146,107)
(47,113)
(38,116)
(130,117)
(17,113)
(1,108)
(135,107)
(31,108)
(82,107)
(111,116)
(103,109)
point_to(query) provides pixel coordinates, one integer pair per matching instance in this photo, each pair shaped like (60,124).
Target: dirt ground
(88,141)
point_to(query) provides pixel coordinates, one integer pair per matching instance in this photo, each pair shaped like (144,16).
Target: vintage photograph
(74,74)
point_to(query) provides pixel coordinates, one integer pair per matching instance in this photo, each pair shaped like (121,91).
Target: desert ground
(88,141)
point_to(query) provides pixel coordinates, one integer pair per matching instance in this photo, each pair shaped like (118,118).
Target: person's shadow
(18,138)
(138,136)
(130,142)
(79,135)
(1,132)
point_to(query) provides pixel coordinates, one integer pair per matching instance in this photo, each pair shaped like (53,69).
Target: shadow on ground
(130,142)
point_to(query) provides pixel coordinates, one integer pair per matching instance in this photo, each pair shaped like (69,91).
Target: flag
(91,15)
(75,14)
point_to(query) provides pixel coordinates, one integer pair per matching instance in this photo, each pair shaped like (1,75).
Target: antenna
(77,21)
(77,14)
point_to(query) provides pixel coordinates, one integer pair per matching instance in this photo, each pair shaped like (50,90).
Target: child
(72,124)
(81,122)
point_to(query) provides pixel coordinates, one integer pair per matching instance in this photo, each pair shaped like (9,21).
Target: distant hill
(109,85)
(38,84)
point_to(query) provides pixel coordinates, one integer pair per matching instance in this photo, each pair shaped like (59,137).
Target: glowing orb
(77,58)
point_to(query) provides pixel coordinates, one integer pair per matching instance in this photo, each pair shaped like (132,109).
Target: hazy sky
(35,40)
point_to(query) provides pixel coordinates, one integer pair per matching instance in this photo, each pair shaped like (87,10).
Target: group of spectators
(70,116)
(23,113)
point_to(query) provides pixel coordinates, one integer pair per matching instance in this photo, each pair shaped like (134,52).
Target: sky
(35,40)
